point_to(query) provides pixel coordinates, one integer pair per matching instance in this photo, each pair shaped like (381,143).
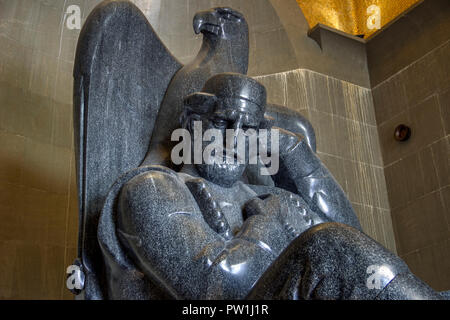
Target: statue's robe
(307,244)
(157,244)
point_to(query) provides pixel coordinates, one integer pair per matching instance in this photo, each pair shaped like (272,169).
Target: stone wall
(417,171)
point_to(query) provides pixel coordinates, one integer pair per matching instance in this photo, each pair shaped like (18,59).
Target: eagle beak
(206,21)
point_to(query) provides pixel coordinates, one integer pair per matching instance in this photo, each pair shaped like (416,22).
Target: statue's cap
(229,85)
(235,85)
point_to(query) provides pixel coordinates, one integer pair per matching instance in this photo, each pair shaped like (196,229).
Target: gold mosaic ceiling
(351,16)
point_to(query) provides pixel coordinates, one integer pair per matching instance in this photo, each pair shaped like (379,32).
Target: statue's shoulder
(156,189)
(154,179)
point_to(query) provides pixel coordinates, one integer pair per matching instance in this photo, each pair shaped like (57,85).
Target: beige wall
(417,171)
(38,221)
(409,67)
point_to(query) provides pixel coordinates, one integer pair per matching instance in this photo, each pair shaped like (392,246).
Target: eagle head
(221,22)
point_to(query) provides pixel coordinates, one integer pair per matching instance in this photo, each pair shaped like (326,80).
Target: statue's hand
(287,140)
(275,209)
(267,205)
(265,222)
(211,210)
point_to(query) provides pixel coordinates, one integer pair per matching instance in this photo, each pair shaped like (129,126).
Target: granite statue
(123,76)
(150,229)
(204,233)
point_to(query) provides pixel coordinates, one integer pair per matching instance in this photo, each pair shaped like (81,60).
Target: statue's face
(238,115)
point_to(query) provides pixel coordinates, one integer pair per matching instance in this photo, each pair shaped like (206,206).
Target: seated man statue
(204,233)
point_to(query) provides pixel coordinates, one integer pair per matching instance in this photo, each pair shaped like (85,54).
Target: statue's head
(227,101)
(225,23)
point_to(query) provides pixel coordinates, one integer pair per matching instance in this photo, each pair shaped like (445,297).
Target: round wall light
(402,133)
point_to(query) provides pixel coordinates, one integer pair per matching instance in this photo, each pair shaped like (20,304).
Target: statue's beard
(223,174)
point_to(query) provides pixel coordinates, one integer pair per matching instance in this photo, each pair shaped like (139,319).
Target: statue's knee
(330,231)
(327,227)
(322,239)
(340,240)
(333,236)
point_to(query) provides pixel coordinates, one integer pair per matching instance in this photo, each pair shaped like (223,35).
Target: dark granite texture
(205,232)
(333,261)
(224,49)
(446,295)
(178,247)
(302,172)
(121,74)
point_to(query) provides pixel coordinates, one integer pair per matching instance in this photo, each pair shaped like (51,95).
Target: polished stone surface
(355,268)
(225,48)
(113,117)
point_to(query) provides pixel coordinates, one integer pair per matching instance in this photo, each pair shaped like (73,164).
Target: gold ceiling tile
(351,15)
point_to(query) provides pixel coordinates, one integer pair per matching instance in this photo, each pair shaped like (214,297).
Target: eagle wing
(121,74)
